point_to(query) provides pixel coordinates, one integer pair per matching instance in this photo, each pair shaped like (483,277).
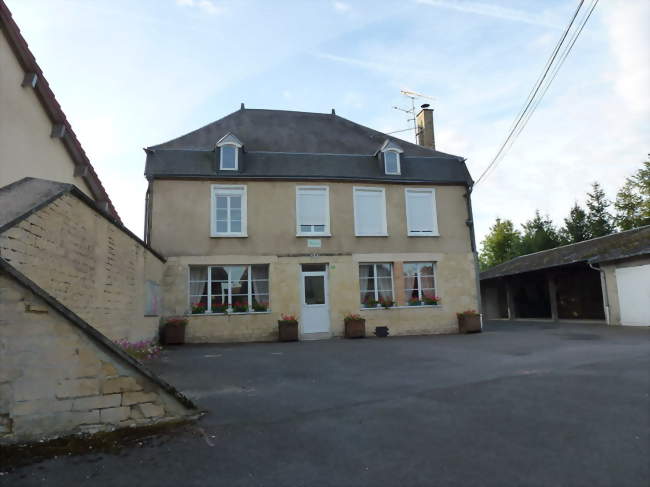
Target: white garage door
(634,295)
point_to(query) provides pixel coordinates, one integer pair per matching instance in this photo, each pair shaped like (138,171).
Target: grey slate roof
(26,196)
(630,243)
(299,145)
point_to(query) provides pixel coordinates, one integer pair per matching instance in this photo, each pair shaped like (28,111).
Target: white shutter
(369,211)
(312,207)
(420,212)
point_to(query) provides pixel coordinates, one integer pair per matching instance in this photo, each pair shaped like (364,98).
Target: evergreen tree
(500,245)
(576,226)
(633,200)
(539,234)
(599,219)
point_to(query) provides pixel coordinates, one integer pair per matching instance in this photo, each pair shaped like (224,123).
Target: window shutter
(312,207)
(420,212)
(369,212)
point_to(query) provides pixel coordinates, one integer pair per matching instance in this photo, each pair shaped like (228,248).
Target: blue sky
(133,73)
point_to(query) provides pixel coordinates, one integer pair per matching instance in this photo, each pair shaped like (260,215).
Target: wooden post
(510,299)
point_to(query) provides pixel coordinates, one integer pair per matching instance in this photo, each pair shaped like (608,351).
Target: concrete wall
(55,380)
(26,148)
(455,286)
(181,221)
(612,290)
(88,264)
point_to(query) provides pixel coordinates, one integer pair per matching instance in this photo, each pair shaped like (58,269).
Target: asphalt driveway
(521,405)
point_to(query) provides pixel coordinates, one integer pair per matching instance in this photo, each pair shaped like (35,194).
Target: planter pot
(355,328)
(288,331)
(172,334)
(469,323)
(381,331)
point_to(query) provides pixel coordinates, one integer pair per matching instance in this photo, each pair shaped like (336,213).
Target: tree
(539,234)
(500,245)
(599,219)
(633,200)
(576,226)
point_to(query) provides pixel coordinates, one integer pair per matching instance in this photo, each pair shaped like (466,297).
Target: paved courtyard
(526,404)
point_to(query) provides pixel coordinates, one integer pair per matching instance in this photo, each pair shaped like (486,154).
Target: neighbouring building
(36,139)
(269,212)
(605,279)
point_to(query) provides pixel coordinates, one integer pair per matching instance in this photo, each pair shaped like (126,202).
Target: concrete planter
(355,328)
(288,331)
(469,323)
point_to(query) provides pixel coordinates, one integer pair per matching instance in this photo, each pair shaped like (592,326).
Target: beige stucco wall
(181,221)
(26,148)
(88,264)
(55,380)
(455,286)
(612,288)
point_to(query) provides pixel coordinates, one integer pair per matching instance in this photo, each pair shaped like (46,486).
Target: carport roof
(621,245)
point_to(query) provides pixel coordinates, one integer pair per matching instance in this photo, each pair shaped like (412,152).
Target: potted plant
(239,307)
(288,328)
(172,331)
(219,307)
(469,321)
(386,302)
(430,300)
(370,302)
(260,306)
(355,326)
(414,302)
(198,308)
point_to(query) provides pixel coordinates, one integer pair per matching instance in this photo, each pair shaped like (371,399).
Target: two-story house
(269,212)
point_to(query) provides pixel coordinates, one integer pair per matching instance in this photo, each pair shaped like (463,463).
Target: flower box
(172,331)
(414,302)
(469,322)
(355,326)
(288,328)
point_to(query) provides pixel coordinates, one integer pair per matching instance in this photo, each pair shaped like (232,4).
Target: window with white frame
(230,288)
(391,162)
(375,283)
(229,157)
(420,282)
(312,210)
(369,212)
(228,211)
(421,215)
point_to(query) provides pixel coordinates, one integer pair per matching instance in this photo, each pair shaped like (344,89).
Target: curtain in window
(198,285)
(260,283)
(364,281)
(384,281)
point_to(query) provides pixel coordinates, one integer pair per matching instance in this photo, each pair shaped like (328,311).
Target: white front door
(315,317)
(634,294)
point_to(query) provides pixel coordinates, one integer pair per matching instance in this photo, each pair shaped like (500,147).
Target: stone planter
(172,334)
(469,323)
(288,331)
(355,328)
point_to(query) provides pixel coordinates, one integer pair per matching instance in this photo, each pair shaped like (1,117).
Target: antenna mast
(411,111)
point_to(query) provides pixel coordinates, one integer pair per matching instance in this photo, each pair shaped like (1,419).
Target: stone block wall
(89,264)
(57,380)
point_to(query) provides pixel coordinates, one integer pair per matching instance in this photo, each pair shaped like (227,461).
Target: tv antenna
(411,111)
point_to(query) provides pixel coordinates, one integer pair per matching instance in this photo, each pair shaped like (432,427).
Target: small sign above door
(316,242)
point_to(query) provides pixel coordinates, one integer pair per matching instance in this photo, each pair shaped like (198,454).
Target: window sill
(403,307)
(267,312)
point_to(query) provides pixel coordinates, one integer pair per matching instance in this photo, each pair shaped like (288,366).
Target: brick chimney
(424,121)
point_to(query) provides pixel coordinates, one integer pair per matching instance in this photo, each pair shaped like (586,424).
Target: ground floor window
(376,283)
(231,288)
(419,283)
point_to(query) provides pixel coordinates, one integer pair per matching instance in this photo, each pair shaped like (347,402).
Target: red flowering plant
(468,312)
(430,299)
(288,318)
(352,317)
(198,308)
(260,306)
(240,307)
(386,302)
(415,302)
(219,307)
(370,302)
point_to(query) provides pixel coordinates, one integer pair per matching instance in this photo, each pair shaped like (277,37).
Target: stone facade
(89,264)
(57,380)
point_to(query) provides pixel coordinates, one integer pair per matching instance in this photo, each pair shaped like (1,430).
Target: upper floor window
(312,210)
(421,215)
(370,212)
(228,211)
(391,162)
(229,157)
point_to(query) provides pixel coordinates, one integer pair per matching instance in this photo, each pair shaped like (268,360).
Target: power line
(542,83)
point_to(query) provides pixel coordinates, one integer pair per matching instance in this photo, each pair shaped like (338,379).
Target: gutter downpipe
(603,285)
(472,237)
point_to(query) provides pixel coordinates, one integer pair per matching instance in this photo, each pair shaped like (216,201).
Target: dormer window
(390,154)
(391,162)
(229,147)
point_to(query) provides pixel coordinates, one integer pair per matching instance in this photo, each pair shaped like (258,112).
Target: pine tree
(599,219)
(500,245)
(633,200)
(576,226)
(539,234)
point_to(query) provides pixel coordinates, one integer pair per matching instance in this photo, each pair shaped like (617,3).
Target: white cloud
(341,7)
(207,6)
